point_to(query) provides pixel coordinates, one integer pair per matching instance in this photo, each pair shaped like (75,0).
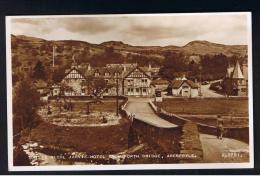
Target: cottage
(185,88)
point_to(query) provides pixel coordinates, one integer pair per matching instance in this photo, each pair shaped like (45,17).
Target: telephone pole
(117,103)
(53,57)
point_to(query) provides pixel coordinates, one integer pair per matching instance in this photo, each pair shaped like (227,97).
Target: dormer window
(107,74)
(116,74)
(96,73)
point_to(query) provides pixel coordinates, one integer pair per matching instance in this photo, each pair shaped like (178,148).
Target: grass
(207,106)
(207,110)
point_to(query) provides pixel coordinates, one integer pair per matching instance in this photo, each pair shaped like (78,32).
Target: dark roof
(178,83)
(160,82)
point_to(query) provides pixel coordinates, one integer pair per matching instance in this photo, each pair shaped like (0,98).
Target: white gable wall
(185,90)
(74,79)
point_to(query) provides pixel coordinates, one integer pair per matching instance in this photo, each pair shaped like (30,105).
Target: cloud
(138,30)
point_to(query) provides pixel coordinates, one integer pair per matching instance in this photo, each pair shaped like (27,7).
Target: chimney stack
(149,67)
(89,67)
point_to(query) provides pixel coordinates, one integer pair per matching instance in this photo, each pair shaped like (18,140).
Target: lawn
(206,106)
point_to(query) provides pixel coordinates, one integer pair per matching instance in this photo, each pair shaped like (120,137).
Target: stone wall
(191,148)
(239,133)
(166,140)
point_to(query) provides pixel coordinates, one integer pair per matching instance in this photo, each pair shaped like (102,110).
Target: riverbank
(92,140)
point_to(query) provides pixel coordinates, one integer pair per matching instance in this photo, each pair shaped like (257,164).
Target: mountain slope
(29,49)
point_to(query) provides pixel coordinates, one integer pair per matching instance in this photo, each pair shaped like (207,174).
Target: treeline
(110,56)
(207,68)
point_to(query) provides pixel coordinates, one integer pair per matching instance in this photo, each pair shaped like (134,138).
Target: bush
(20,157)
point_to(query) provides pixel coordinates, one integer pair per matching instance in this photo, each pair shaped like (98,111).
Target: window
(116,74)
(106,74)
(243,90)
(106,80)
(96,74)
(144,90)
(185,87)
(137,89)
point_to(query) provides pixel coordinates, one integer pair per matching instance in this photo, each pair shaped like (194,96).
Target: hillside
(27,50)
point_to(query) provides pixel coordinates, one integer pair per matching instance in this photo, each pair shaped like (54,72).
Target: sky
(141,30)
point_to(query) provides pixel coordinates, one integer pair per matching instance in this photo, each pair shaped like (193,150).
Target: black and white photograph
(129,91)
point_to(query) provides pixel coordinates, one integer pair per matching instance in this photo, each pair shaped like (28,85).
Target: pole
(53,55)
(117,108)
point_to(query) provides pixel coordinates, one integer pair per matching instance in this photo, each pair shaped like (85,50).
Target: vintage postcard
(113,92)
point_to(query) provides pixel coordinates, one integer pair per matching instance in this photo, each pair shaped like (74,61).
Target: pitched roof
(140,69)
(237,73)
(178,83)
(74,68)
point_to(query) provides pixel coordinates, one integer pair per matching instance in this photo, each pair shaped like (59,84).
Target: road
(206,92)
(220,151)
(214,150)
(142,110)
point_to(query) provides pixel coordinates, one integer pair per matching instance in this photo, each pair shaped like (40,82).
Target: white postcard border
(11,167)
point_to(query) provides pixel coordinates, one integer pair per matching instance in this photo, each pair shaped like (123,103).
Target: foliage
(20,157)
(96,86)
(39,71)
(174,65)
(26,100)
(58,74)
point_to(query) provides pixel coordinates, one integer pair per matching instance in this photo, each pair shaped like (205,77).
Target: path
(214,150)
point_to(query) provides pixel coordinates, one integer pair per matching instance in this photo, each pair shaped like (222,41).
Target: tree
(58,74)
(25,102)
(174,65)
(39,71)
(96,86)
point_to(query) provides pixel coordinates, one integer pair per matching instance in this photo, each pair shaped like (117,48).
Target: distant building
(235,82)
(132,80)
(184,88)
